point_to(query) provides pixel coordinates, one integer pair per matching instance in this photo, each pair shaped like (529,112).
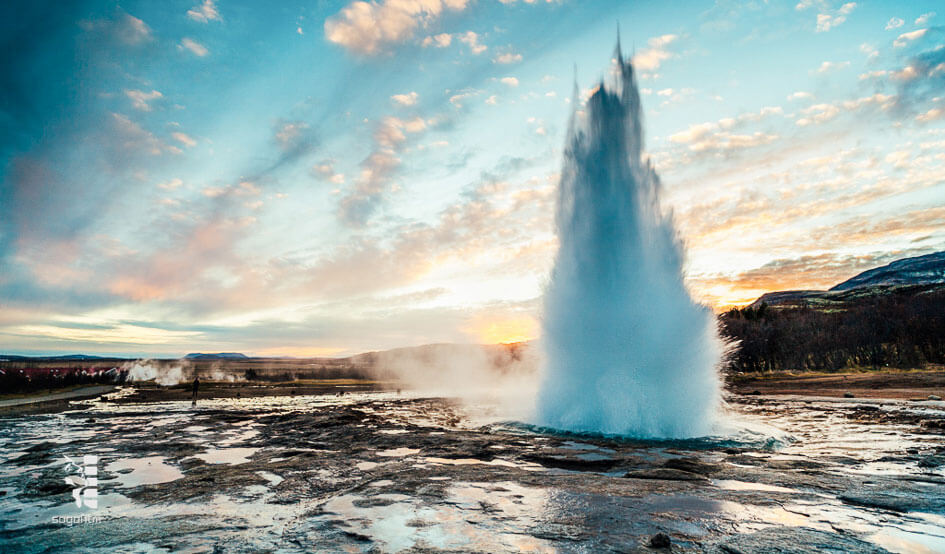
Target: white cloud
(408,99)
(701,138)
(170,185)
(871,53)
(924,18)
(719,137)
(673,96)
(831,66)
(289,133)
(471,39)
(133,30)
(899,159)
(510,81)
(907,73)
(650,58)
(459,98)
(368,28)
(492,100)
(205,12)
(507,58)
(905,38)
(931,115)
(136,138)
(184,139)
(193,46)
(367,193)
(441,40)
(800,95)
(829,19)
(894,23)
(140,99)
(391,131)
(326,170)
(873,74)
(821,113)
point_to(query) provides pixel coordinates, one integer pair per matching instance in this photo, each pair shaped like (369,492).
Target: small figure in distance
(196,386)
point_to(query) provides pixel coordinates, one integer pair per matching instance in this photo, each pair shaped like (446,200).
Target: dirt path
(75,394)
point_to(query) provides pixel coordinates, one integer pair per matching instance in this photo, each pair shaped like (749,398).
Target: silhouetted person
(196,386)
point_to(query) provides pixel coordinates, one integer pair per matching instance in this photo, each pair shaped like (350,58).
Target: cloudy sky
(327,177)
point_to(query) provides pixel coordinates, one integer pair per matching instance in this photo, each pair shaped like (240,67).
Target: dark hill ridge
(217,356)
(908,276)
(921,270)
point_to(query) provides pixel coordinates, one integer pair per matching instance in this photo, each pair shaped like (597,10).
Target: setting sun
(506,330)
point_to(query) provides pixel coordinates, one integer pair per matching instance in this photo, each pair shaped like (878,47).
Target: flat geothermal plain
(359,466)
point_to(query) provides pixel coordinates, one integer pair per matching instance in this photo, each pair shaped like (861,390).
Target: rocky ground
(377,471)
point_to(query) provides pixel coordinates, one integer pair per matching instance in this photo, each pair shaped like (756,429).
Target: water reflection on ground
(388,472)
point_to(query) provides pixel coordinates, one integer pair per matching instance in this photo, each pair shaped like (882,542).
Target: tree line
(899,329)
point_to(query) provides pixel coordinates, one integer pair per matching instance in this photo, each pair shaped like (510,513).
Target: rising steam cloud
(501,376)
(146,370)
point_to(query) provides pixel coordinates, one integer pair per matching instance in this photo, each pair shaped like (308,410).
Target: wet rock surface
(378,472)
(780,540)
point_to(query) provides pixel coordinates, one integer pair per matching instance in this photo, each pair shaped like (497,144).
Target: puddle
(398,452)
(230,456)
(732,485)
(897,540)
(476,517)
(470,461)
(271,477)
(149,470)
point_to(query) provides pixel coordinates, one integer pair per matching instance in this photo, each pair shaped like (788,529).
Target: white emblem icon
(85,480)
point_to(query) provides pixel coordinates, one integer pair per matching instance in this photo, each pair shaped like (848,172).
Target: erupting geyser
(627,349)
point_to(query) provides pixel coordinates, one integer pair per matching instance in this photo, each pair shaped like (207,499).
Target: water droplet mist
(627,349)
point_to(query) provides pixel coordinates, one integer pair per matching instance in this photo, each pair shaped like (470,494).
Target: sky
(321,178)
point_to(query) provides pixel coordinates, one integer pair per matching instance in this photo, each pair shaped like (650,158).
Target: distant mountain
(906,276)
(65,358)
(217,356)
(921,270)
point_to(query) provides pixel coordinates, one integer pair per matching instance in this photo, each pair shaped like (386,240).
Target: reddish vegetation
(875,384)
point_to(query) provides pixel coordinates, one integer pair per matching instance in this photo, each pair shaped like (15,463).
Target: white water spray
(627,349)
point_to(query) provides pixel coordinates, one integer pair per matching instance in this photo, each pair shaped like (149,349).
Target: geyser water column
(627,349)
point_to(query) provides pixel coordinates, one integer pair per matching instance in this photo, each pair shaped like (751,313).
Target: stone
(931,461)
(665,473)
(692,465)
(795,540)
(660,540)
